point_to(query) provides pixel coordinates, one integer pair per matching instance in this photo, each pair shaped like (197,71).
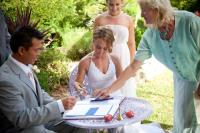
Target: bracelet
(79,87)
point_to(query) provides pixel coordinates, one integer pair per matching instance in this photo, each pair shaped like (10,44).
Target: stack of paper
(87,109)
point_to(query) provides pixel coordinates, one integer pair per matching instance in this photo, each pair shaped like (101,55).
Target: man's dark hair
(23,38)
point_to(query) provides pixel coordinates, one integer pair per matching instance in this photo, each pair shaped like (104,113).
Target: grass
(159,92)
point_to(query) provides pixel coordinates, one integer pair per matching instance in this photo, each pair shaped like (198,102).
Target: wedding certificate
(87,109)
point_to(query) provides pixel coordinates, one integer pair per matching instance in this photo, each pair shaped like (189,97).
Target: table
(141,108)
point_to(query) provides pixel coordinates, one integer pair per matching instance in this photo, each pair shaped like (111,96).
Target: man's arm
(20,111)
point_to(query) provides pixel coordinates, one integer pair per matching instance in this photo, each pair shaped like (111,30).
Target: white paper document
(86,109)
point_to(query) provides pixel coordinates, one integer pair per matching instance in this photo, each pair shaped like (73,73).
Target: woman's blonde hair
(164,8)
(106,34)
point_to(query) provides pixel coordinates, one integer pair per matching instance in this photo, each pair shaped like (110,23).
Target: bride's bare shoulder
(127,17)
(101,19)
(86,60)
(102,15)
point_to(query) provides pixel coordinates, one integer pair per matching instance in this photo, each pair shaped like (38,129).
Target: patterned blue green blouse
(181,53)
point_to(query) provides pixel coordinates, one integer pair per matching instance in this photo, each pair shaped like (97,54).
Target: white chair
(71,86)
(73,92)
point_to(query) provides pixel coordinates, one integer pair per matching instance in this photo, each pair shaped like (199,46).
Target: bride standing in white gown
(124,44)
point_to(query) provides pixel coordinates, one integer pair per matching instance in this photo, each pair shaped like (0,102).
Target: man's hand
(68,102)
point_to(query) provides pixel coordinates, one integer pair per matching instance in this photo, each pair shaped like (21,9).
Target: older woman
(173,37)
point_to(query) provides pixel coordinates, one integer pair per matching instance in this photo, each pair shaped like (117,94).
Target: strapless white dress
(121,50)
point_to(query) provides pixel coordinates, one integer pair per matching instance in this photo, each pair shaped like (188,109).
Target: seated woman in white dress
(101,67)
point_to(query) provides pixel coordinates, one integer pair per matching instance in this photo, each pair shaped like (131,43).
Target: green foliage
(48,56)
(131,7)
(43,79)
(188,5)
(71,36)
(139,31)
(53,69)
(81,48)
(58,15)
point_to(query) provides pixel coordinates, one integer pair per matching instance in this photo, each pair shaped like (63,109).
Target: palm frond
(23,18)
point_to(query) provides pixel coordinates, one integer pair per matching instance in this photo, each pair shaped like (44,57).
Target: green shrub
(53,69)
(131,7)
(44,78)
(48,56)
(139,31)
(71,36)
(81,48)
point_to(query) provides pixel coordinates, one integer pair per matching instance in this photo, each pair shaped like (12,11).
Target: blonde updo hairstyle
(164,8)
(106,34)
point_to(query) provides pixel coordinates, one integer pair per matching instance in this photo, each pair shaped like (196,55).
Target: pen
(101,99)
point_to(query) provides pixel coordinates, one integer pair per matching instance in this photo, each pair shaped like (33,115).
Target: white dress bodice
(121,50)
(100,80)
(121,34)
(120,45)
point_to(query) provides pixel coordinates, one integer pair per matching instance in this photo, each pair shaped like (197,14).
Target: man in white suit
(24,106)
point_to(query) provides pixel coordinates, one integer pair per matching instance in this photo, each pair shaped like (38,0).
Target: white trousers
(184,112)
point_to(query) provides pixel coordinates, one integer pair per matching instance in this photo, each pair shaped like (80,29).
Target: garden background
(70,32)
